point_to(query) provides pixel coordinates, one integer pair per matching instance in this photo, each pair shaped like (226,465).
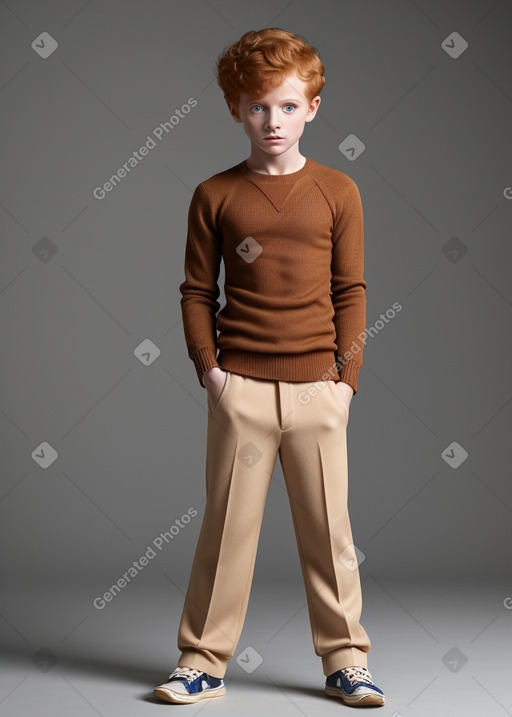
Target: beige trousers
(251,422)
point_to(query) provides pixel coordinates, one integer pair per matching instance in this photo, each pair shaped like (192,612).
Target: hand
(346,392)
(214,380)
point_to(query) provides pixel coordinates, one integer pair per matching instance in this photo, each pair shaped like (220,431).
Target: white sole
(177,698)
(357,700)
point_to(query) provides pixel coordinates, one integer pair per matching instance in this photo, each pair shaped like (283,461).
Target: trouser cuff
(344,657)
(204,661)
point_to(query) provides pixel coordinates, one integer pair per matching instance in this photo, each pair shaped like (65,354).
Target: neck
(286,163)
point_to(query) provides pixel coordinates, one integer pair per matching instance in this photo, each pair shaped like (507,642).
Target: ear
(313,108)
(233,110)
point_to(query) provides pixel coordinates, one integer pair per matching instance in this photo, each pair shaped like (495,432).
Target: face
(281,112)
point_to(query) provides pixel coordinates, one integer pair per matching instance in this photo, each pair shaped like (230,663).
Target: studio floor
(437,649)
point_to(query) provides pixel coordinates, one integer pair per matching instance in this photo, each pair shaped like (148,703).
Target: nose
(273,120)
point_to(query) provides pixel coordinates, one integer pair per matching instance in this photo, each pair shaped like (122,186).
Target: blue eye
(254,107)
(292,106)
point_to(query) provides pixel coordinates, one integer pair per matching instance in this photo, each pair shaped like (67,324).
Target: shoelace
(188,673)
(357,674)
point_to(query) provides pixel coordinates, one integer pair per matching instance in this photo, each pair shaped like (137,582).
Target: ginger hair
(260,60)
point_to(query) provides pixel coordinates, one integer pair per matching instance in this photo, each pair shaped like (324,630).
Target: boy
(281,374)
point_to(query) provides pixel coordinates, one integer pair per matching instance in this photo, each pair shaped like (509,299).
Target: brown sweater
(293,253)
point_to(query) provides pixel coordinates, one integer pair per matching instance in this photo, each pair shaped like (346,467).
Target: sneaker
(355,687)
(186,686)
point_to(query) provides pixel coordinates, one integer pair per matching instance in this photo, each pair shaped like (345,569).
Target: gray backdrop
(103,421)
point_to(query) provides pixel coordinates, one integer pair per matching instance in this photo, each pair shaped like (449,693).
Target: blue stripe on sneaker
(196,685)
(346,686)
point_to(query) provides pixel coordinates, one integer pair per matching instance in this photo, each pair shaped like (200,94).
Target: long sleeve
(295,310)
(348,287)
(200,289)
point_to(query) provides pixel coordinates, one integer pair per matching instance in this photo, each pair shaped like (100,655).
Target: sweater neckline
(277,178)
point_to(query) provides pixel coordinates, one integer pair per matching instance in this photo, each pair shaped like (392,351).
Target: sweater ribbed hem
(311,366)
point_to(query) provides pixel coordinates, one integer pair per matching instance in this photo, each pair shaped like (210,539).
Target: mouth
(272,137)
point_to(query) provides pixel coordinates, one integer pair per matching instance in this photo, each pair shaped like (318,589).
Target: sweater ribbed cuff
(350,374)
(204,359)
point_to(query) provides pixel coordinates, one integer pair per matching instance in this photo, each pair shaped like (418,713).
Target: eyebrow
(259,102)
